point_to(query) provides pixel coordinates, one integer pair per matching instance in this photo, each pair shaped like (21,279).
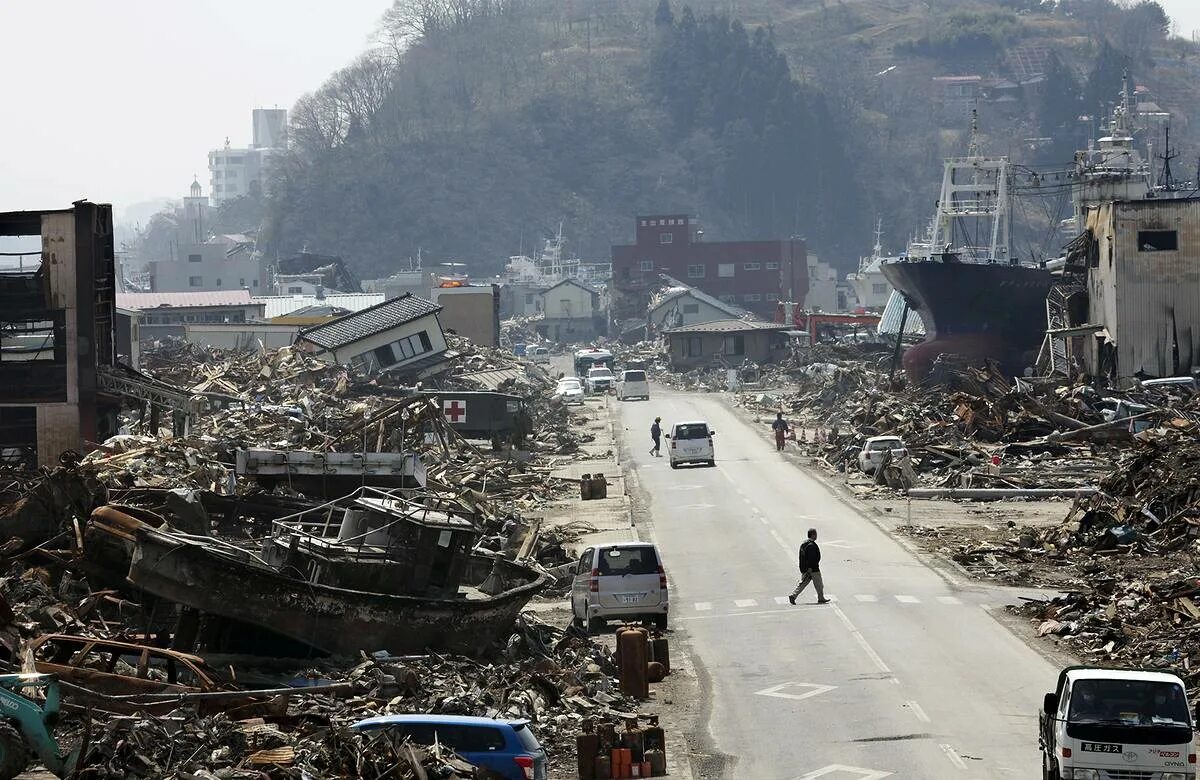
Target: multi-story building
(235,172)
(755,275)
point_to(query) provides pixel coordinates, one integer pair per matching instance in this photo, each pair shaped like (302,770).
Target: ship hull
(981,311)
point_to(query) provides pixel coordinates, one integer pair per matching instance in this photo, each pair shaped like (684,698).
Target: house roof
(681,290)
(727,326)
(367,322)
(575,282)
(279,305)
(183,300)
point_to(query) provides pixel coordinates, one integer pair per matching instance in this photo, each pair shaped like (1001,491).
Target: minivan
(691,442)
(633,384)
(505,747)
(619,581)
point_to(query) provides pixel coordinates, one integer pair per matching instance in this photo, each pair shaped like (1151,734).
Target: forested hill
(479,125)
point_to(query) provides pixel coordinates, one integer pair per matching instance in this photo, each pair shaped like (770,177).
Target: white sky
(119,101)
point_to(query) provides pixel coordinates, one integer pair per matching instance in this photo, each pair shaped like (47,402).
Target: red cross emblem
(455,411)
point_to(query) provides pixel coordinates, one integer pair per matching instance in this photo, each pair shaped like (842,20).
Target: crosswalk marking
(867,597)
(745,602)
(908,599)
(781,599)
(948,600)
(808,597)
(702,606)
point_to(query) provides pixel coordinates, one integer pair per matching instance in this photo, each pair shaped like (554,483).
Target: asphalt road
(906,674)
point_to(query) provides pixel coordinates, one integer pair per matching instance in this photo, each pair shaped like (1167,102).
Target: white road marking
(948,600)
(858,772)
(701,606)
(699,506)
(743,603)
(749,613)
(866,597)
(907,599)
(840,543)
(813,689)
(916,710)
(781,600)
(862,640)
(685,487)
(954,757)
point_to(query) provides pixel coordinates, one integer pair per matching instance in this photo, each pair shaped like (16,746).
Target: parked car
(507,748)
(620,580)
(691,442)
(873,449)
(633,384)
(570,390)
(599,379)
(538,354)
(519,350)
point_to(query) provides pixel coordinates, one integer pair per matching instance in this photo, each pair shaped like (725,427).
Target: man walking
(810,568)
(780,427)
(656,437)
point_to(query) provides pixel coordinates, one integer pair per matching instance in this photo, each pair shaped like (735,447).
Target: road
(905,674)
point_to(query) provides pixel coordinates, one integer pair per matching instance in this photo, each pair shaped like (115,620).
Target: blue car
(506,747)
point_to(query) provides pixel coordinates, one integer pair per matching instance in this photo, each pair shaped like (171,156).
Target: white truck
(1116,724)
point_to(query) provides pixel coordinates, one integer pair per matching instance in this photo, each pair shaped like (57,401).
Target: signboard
(455,410)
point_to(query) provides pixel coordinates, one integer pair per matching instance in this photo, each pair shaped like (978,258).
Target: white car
(570,391)
(691,442)
(538,354)
(871,454)
(619,581)
(599,380)
(633,384)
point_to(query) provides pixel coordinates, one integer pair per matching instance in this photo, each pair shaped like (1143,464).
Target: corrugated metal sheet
(728,326)
(280,305)
(376,319)
(889,321)
(138,301)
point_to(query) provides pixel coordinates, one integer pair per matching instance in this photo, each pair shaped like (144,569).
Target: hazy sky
(119,101)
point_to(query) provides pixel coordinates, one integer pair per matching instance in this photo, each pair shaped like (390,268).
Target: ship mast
(975,188)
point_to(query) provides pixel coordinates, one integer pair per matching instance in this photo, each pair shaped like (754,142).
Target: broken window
(385,355)
(28,340)
(1157,240)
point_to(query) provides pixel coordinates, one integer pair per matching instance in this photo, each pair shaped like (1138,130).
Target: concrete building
(681,305)
(226,262)
(472,311)
(822,287)
(235,172)
(402,337)
(520,300)
(755,275)
(166,314)
(727,342)
(571,312)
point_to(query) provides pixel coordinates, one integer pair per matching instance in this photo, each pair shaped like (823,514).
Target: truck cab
(1102,724)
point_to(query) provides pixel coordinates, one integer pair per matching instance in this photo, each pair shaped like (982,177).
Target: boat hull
(333,620)
(982,311)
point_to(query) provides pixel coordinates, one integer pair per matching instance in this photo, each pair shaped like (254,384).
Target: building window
(254,283)
(772,297)
(725,270)
(735,344)
(195,281)
(194,258)
(879,288)
(218,281)
(696,271)
(751,266)
(666,238)
(528,299)
(384,355)
(646,265)
(773,265)
(643,223)
(241,282)
(295,290)
(692,347)
(1157,240)
(691,308)
(752,297)
(654,223)
(729,298)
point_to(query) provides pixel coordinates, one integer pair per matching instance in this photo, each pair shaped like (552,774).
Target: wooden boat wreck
(371,571)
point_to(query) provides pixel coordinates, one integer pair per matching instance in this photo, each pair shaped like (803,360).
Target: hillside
(481,124)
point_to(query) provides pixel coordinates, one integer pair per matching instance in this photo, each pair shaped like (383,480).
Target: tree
(1103,86)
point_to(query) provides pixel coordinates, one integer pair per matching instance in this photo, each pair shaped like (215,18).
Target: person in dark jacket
(780,427)
(810,569)
(656,437)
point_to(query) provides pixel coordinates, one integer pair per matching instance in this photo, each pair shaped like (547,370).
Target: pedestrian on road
(810,568)
(780,427)
(656,437)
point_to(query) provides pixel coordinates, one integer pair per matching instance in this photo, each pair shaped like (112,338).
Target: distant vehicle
(633,384)
(586,359)
(599,380)
(619,580)
(519,350)
(570,390)
(1173,383)
(691,442)
(539,354)
(1116,723)
(506,748)
(873,449)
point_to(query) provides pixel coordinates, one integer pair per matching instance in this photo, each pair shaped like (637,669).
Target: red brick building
(751,274)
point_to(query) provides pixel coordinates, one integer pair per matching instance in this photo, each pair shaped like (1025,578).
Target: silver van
(619,581)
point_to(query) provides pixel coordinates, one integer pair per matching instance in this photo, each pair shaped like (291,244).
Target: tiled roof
(728,326)
(176,300)
(376,319)
(279,305)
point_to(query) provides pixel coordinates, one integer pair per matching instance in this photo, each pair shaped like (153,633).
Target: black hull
(979,310)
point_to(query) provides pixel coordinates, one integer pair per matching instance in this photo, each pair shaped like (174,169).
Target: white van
(691,442)
(619,581)
(633,384)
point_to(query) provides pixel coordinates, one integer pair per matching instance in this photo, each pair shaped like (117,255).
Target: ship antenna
(973,147)
(1166,158)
